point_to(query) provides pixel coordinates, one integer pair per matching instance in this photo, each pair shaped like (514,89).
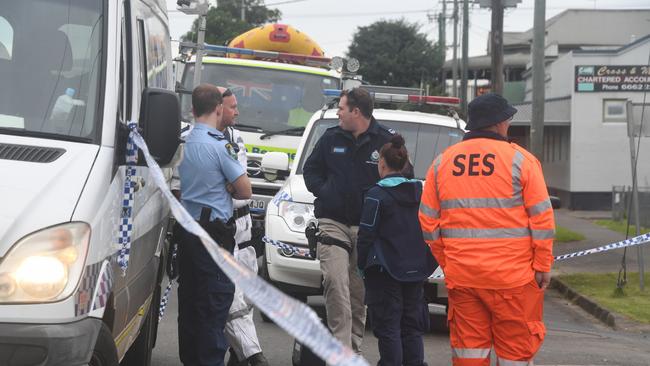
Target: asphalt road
(574,338)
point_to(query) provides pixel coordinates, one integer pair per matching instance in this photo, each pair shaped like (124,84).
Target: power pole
(243,10)
(537,121)
(442,37)
(465,51)
(454,66)
(200,45)
(496,45)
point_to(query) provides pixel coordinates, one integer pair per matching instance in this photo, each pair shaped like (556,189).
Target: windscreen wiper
(243,126)
(282,132)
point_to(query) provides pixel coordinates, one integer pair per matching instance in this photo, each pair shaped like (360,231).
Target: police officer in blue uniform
(341,167)
(210,178)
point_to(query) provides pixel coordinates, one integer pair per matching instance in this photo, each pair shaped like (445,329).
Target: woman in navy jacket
(395,260)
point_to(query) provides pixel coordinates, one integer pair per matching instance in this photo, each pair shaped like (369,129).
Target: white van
(426,135)
(73,73)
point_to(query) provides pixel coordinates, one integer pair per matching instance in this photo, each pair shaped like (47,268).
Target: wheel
(104,353)
(438,323)
(140,352)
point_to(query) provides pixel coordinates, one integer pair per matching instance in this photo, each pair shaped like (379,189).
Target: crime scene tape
(289,249)
(296,318)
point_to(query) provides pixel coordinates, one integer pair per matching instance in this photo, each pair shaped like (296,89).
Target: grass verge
(620,227)
(563,235)
(601,287)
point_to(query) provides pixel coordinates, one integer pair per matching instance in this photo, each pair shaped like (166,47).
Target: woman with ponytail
(395,260)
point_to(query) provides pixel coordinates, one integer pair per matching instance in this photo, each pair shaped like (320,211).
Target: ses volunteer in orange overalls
(487,217)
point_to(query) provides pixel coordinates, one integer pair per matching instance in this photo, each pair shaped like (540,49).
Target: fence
(622,200)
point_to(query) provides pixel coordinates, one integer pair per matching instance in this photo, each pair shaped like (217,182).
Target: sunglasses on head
(226,93)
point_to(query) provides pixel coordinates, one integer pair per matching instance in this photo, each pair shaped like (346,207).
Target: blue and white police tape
(287,249)
(290,250)
(165,298)
(637,240)
(125,227)
(293,316)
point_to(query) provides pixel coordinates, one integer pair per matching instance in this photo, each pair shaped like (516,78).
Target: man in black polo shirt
(341,167)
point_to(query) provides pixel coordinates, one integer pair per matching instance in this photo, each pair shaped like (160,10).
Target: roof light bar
(403,98)
(283,56)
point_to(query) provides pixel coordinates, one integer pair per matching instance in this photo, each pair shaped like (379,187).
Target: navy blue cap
(487,110)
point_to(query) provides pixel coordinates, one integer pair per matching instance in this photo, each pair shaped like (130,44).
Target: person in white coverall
(240,329)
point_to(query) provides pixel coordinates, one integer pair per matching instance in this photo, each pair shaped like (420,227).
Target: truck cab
(82,232)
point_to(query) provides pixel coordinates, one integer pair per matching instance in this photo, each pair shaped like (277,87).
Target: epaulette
(217,136)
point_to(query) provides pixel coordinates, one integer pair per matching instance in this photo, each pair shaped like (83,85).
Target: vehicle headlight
(45,266)
(296,215)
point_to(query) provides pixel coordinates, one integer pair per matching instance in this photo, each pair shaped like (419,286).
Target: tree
(224,22)
(393,52)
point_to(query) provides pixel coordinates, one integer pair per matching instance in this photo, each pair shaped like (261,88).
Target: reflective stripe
(543,234)
(517,161)
(481,203)
(429,211)
(436,165)
(504,362)
(502,233)
(431,235)
(470,352)
(539,208)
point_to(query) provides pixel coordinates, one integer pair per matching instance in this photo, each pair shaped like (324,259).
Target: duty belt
(240,212)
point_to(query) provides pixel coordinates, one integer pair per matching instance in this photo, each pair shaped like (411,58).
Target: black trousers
(398,316)
(204,298)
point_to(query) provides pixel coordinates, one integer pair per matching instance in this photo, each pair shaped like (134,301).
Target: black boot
(233,361)
(258,359)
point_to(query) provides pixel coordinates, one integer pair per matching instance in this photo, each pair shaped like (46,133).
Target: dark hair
(359,98)
(394,153)
(205,98)
(226,93)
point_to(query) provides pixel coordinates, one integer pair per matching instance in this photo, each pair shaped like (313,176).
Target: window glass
(423,141)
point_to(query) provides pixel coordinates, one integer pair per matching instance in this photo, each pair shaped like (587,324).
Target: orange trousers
(508,320)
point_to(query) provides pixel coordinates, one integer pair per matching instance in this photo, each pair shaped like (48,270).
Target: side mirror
(275,165)
(555,202)
(160,122)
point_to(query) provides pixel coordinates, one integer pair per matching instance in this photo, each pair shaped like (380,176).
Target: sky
(332,23)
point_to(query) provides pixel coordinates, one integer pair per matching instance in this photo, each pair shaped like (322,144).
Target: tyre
(104,353)
(140,352)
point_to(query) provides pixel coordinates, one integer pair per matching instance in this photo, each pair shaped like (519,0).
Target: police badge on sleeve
(231,151)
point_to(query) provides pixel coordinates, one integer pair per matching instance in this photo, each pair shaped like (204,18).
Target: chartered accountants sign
(612,78)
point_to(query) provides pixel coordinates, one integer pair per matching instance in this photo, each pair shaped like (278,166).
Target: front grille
(33,154)
(254,169)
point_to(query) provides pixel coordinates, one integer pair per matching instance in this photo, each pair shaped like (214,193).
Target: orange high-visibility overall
(486,215)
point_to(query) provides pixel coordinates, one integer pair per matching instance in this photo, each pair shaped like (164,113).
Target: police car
(287,215)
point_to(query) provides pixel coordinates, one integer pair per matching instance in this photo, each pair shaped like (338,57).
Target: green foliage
(601,287)
(563,235)
(224,22)
(620,227)
(393,52)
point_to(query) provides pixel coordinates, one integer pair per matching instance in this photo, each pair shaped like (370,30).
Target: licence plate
(257,204)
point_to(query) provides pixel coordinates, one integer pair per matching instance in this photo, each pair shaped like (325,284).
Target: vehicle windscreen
(423,141)
(269,99)
(50,67)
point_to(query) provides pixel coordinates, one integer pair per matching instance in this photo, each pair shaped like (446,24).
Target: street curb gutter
(584,302)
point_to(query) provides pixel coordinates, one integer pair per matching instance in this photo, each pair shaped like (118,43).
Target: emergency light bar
(404,98)
(282,56)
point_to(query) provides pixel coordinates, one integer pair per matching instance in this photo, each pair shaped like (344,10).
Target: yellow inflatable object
(277,38)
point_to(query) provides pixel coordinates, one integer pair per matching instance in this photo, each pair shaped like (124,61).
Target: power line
(285,2)
(338,15)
